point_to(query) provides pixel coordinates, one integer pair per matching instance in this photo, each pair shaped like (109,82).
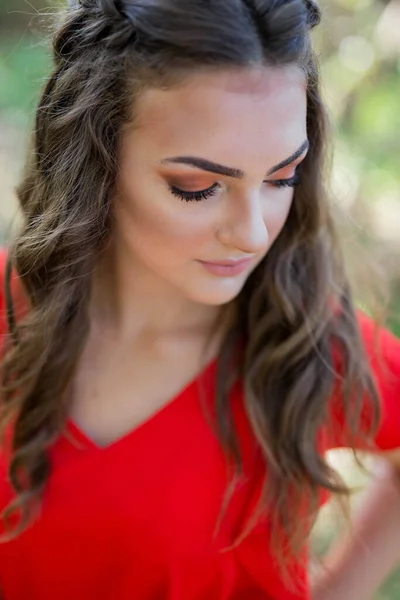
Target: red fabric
(136,519)
(382,349)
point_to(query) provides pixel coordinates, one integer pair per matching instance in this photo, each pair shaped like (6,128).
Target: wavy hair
(294,306)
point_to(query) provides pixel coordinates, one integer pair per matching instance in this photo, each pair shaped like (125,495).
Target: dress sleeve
(382,349)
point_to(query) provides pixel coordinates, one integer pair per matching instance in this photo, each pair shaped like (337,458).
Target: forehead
(226,115)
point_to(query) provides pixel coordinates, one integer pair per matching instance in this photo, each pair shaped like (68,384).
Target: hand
(358,565)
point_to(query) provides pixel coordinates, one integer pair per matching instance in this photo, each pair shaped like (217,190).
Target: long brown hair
(292,308)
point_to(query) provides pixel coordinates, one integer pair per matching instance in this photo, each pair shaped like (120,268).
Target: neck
(131,299)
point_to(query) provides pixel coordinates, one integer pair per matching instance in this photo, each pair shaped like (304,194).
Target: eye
(291,182)
(196,196)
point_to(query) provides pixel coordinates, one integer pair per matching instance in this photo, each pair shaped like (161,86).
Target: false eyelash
(194,196)
(198,196)
(292,182)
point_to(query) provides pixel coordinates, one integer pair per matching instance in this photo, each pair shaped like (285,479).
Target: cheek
(277,211)
(154,222)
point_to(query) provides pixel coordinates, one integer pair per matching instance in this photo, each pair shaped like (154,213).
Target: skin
(365,556)
(159,238)
(154,305)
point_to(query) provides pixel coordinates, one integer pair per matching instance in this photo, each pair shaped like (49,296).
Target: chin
(218,295)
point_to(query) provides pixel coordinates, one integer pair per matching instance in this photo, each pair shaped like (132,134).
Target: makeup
(227,268)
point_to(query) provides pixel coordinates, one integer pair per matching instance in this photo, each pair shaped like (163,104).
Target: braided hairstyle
(105,53)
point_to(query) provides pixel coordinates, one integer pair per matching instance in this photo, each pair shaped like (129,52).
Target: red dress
(135,520)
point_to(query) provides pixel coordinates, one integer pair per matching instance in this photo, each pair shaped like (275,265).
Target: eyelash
(198,196)
(194,196)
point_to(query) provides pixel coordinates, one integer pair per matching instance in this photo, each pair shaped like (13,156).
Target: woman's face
(201,184)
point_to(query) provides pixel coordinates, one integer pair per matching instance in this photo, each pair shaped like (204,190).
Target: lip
(227,268)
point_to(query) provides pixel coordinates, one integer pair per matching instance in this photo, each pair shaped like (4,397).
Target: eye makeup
(196,196)
(204,194)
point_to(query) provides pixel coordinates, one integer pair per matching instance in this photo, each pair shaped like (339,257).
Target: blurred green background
(359,47)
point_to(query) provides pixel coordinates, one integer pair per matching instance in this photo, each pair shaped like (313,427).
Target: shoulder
(373,333)
(382,350)
(382,353)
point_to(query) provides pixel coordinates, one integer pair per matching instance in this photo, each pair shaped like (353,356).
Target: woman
(181,345)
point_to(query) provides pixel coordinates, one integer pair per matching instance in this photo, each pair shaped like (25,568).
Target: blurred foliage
(22,66)
(359,46)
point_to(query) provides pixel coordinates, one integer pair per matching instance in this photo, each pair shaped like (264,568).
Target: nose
(244,226)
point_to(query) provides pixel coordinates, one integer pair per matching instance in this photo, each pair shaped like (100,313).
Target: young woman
(180,345)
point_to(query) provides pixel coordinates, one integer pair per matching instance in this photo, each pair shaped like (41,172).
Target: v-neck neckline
(79,436)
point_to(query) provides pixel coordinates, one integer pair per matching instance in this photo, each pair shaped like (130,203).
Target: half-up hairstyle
(294,306)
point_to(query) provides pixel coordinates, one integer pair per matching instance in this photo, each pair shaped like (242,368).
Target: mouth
(227,268)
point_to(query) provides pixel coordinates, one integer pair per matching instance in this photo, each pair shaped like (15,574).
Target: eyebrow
(212,167)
